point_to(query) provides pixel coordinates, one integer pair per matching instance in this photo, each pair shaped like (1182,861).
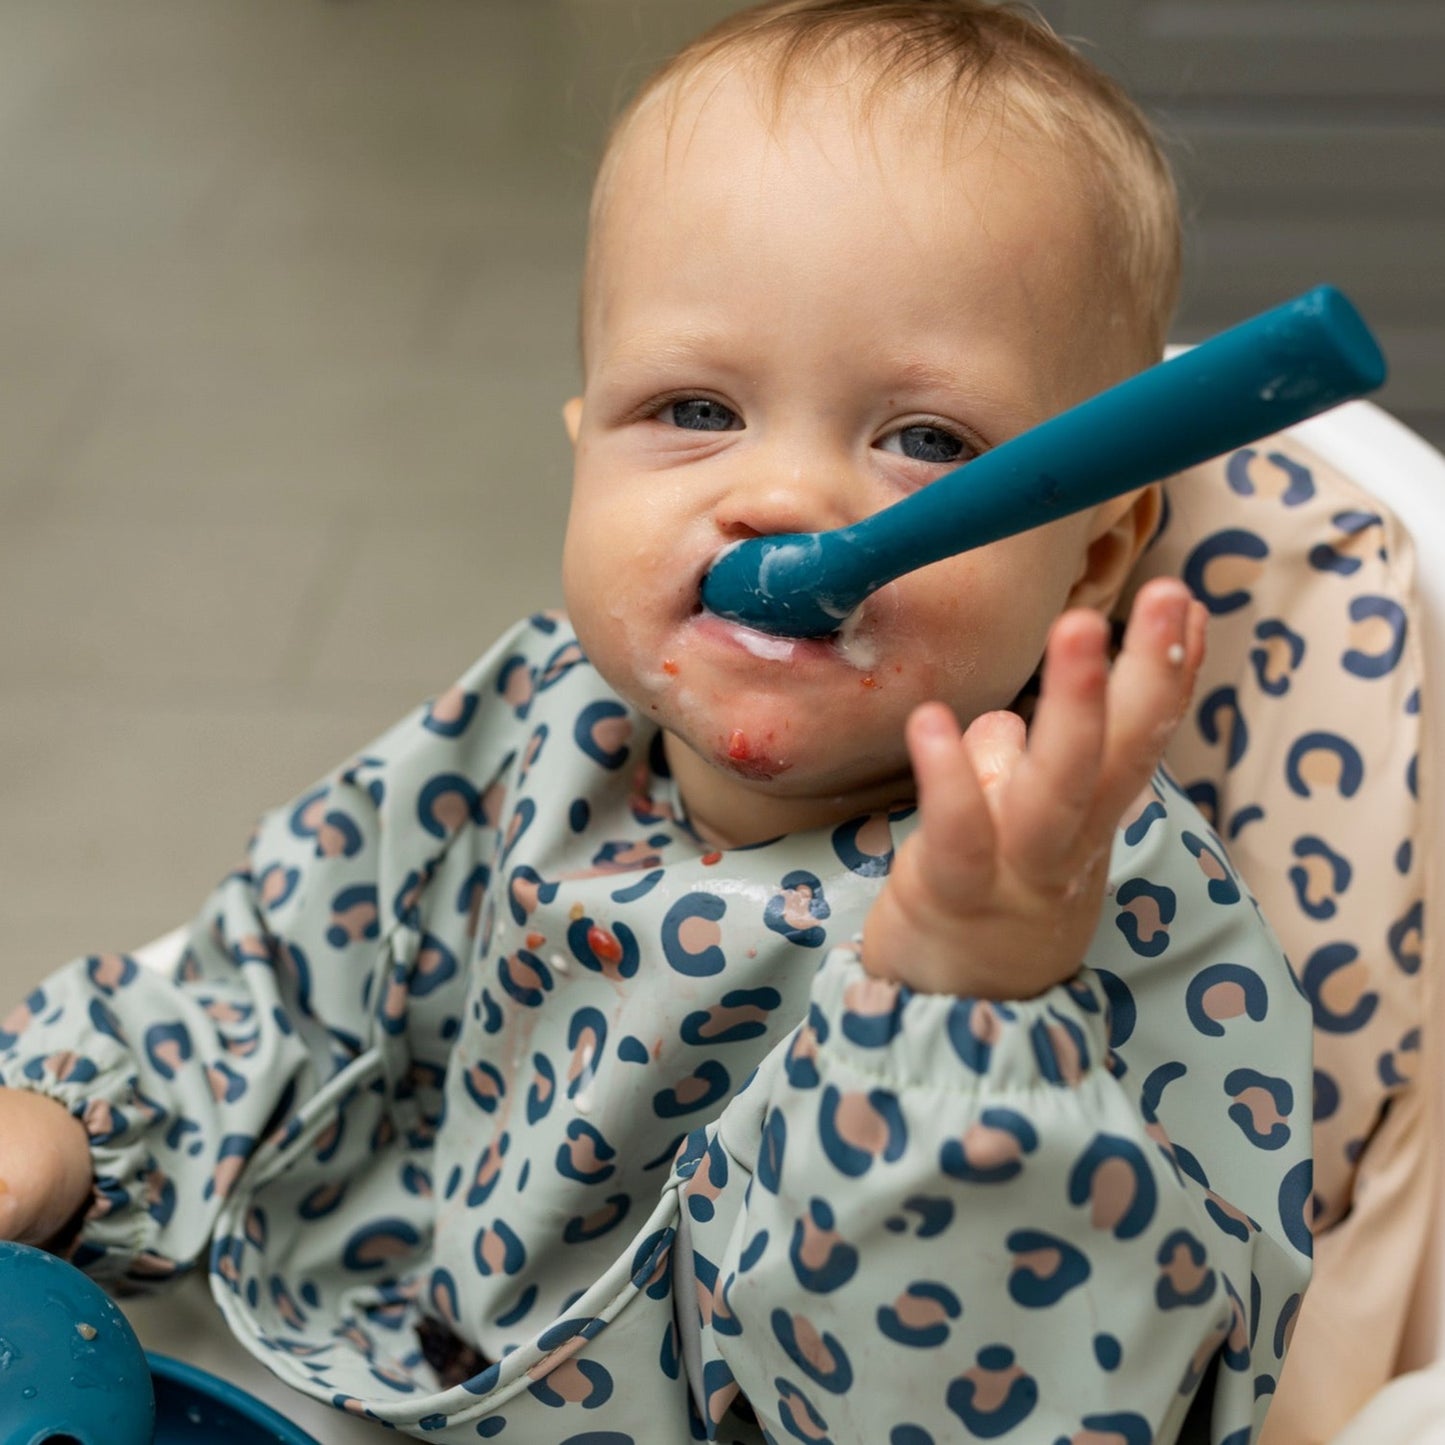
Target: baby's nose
(762,500)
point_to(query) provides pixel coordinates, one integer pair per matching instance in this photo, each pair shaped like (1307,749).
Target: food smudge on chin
(747,760)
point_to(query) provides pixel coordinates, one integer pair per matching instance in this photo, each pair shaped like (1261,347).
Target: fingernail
(1173,623)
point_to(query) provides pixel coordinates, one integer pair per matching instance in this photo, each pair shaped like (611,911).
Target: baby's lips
(703,566)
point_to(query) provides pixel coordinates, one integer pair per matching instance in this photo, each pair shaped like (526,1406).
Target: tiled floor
(287,313)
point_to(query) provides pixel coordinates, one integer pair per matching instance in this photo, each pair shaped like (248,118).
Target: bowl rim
(166,1368)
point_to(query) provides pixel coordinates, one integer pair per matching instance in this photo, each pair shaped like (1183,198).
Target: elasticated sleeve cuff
(941,1041)
(99,1088)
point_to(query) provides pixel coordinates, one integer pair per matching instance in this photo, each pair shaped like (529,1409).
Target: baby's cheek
(987,646)
(883,683)
(627,667)
(965,682)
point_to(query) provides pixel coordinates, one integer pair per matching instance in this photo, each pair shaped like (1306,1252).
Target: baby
(674,1031)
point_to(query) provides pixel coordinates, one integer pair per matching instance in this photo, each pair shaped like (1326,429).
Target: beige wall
(286,315)
(1310,139)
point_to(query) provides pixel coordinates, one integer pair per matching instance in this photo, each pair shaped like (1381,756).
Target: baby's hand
(45,1173)
(998,892)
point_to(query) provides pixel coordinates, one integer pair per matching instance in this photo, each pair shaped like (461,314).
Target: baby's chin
(806,727)
(779,753)
(738,801)
(754,738)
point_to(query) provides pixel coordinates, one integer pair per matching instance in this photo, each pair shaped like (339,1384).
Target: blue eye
(701,413)
(927,443)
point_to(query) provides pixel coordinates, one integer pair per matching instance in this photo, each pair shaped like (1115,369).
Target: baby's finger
(1052,796)
(955,834)
(995,742)
(1150,687)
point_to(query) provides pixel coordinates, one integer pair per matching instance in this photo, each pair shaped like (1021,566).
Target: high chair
(1320,554)
(1306,747)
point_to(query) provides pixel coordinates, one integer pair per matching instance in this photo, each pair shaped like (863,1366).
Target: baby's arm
(958,1209)
(301,960)
(998,892)
(150,1091)
(954,1219)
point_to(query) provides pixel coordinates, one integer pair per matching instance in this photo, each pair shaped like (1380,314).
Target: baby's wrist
(930,966)
(949,1043)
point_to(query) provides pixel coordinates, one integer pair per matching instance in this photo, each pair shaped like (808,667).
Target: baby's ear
(572,417)
(1119,531)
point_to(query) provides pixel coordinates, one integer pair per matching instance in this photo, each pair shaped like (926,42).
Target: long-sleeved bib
(483,1044)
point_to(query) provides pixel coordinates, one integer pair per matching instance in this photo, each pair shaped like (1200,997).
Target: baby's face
(791,327)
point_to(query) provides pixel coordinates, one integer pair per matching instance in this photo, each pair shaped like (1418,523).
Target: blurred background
(287,314)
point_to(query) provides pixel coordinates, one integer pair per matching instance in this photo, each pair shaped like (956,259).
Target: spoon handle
(1259,377)
(1265,374)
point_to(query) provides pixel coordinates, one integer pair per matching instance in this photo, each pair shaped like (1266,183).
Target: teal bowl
(72,1372)
(193,1407)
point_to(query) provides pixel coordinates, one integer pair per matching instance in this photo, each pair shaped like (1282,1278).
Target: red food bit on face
(708,859)
(751,760)
(536,940)
(603,945)
(669,667)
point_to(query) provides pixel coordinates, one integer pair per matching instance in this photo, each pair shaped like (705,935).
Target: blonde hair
(973,51)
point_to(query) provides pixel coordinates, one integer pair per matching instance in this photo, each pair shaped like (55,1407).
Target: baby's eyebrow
(917,372)
(926,374)
(977,391)
(664,348)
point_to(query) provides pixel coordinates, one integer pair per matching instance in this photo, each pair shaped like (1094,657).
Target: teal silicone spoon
(1267,373)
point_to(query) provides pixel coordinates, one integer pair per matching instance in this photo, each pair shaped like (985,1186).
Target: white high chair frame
(1403,471)
(1393,464)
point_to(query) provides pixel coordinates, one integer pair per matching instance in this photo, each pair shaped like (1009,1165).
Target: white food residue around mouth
(764,644)
(854,647)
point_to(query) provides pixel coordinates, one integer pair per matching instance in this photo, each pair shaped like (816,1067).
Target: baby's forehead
(796,134)
(698,130)
(952,115)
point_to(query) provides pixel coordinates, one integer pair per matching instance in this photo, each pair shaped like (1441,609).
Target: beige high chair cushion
(1302,747)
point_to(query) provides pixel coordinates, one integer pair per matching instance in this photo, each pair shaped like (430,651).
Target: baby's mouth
(853,643)
(767,645)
